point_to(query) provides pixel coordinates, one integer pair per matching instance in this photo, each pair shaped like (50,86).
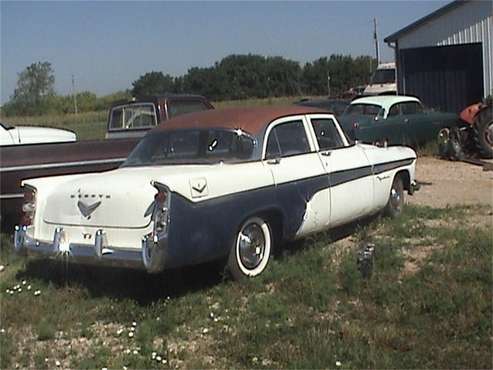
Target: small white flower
(132,329)
(216,319)
(131,334)
(2,267)
(11,292)
(135,352)
(211,315)
(255,359)
(124,368)
(104,368)
(37,292)
(127,351)
(57,363)
(164,361)
(19,290)
(28,287)
(46,359)
(338,363)
(205,331)
(134,324)
(2,331)
(24,282)
(158,358)
(119,331)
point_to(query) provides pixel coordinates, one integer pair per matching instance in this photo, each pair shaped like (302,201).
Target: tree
(153,83)
(34,85)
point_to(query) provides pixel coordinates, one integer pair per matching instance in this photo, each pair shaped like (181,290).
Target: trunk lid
(116,199)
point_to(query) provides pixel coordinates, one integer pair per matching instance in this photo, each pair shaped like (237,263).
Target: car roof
(249,119)
(384,101)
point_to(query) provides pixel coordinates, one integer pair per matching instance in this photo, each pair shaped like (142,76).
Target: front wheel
(251,250)
(395,203)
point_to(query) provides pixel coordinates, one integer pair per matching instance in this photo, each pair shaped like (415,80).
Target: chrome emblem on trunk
(85,209)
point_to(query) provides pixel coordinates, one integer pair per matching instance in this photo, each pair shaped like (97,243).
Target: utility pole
(74,94)
(375,37)
(328,84)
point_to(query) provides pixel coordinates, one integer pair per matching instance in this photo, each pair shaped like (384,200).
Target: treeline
(256,76)
(61,104)
(234,77)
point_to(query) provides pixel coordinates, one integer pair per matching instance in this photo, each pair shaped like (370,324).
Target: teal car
(396,120)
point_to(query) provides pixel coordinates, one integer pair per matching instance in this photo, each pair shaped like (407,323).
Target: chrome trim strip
(11,196)
(60,164)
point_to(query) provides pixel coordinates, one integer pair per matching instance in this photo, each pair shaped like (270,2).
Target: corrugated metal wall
(471,22)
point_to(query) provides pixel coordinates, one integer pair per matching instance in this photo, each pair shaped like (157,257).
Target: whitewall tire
(251,250)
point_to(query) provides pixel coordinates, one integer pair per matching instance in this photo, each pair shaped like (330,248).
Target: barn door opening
(447,78)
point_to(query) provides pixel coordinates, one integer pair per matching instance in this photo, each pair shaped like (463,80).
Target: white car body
(382,88)
(385,102)
(20,135)
(106,217)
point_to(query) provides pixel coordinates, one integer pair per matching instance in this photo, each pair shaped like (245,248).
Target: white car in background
(383,81)
(19,135)
(216,184)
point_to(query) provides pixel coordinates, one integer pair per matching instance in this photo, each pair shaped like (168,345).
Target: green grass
(311,309)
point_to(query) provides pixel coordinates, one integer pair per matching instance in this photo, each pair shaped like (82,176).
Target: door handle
(274,161)
(326,154)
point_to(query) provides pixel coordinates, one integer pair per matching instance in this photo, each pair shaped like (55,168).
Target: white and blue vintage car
(216,184)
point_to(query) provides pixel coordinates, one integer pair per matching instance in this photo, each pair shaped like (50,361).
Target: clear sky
(107,45)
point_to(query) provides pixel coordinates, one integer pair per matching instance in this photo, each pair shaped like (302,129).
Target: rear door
(348,169)
(302,185)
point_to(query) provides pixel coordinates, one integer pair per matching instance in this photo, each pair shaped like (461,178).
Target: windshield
(371,110)
(133,116)
(192,146)
(383,76)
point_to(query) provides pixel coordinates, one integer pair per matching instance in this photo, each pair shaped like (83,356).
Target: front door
(349,171)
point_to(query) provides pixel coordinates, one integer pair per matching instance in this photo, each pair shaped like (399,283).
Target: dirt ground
(451,183)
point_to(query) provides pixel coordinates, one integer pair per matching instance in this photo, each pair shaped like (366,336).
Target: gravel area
(451,183)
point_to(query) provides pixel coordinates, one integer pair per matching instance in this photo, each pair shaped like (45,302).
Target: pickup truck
(127,122)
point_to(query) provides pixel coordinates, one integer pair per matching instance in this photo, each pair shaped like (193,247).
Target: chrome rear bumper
(96,254)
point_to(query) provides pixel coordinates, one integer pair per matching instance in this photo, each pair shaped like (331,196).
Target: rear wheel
(251,250)
(483,130)
(395,203)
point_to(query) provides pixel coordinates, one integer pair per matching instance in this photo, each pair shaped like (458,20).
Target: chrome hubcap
(251,243)
(395,198)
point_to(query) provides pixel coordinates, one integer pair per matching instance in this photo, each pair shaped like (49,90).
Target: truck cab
(383,81)
(132,119)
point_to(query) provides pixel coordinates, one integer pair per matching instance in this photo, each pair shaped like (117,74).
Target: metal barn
(446,57)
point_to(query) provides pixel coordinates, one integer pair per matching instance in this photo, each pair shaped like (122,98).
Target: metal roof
(437,13)
(251,120)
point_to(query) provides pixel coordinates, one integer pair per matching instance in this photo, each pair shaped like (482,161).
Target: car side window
(327,135)
(411,108)
(394,111)
(287,139)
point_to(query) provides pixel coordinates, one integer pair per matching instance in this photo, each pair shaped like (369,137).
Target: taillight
(160,214)
(28,206)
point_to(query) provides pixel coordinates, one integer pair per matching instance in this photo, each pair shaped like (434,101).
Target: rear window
(364,110)
(192,146)
(133,116)
(177,107)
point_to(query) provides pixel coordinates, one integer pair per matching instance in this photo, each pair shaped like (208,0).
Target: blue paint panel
(204,231)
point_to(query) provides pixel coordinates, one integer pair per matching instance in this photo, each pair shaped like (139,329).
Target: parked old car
(394,120)
(22,135)
(128,121)
(214,184)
